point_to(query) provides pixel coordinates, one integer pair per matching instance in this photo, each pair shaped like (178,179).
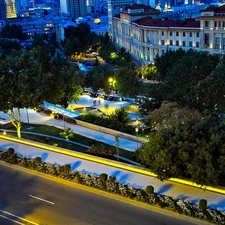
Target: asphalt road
(26,198)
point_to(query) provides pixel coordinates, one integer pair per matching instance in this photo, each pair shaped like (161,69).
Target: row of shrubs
(108,122)
(109,184)
(100,151)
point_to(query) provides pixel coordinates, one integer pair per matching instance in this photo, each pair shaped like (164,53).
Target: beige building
(10,9)
(212,27)
(136,30)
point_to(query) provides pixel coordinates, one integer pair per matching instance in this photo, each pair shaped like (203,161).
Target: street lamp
(112,84)
(27,116)
(136,130)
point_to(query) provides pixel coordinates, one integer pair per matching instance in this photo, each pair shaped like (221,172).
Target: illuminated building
(145,37)
(10,9)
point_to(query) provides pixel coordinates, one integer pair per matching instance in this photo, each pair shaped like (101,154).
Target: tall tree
(27,82)
(127,82)
(185,144)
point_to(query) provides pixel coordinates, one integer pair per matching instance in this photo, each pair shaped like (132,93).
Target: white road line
(18,217)
(12,220)
(41,199)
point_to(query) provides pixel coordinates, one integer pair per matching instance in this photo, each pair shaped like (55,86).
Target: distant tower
(93,3)
(2,10)
(114,8)
(10,9)
(75,8)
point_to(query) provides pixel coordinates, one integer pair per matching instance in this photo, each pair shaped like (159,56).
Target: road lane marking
(41,199)
(12,220)
(18,217)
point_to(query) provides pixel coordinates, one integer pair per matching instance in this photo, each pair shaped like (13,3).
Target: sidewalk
(168,188)
(136,180)
(86,101)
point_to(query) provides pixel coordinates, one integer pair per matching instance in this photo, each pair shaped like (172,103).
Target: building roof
(140,6)
(148,21)
(215,9)
(221,9)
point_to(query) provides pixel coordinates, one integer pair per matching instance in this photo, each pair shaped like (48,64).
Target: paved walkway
(86,101)
(136,180)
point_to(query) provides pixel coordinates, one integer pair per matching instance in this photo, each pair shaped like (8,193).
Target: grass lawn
(53,131)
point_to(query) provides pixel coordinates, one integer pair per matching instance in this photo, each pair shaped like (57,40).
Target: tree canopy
(127,82)
(13,32)
(29,78)
(185,144)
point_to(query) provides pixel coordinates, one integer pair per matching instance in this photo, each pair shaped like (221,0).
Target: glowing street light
(112,84)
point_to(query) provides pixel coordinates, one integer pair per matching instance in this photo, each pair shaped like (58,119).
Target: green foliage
(117,121)
(8,45)
(184,144)
(46,140)
(29,78)
(127,82)
(149,190)
(96,78)
(76,39)
(193,79)
(100,151)
(203,204)
(10,151)
(148,72)
(67,134)
(13,32)
(103,177)
(38,160)
(166,62)
(67,168)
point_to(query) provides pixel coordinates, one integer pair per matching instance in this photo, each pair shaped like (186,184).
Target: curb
(107,194)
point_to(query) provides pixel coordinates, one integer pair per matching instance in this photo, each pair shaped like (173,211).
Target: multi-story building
(212,28)
(114,7)
(39,25)
(2,10)
(145,37)
(10,9)
(74,8)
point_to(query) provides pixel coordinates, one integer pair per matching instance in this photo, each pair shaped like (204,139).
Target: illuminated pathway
(137,180)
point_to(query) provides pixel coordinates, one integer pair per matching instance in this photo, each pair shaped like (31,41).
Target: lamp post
(64,125)
(27,116)
(136,130)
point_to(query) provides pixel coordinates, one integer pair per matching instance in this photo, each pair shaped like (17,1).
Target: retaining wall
(110,131)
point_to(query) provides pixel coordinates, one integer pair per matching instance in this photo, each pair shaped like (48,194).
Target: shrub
(103,177)
(203,204)
(38,160)
(46,140)
(77,178)
(67,134)
(67,168)
(10,151)
(149,190)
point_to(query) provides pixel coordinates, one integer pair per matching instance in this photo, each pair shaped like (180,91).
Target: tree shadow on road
(164,188)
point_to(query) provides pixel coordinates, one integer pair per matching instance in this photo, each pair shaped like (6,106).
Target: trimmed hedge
(102,182)
(10,151)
